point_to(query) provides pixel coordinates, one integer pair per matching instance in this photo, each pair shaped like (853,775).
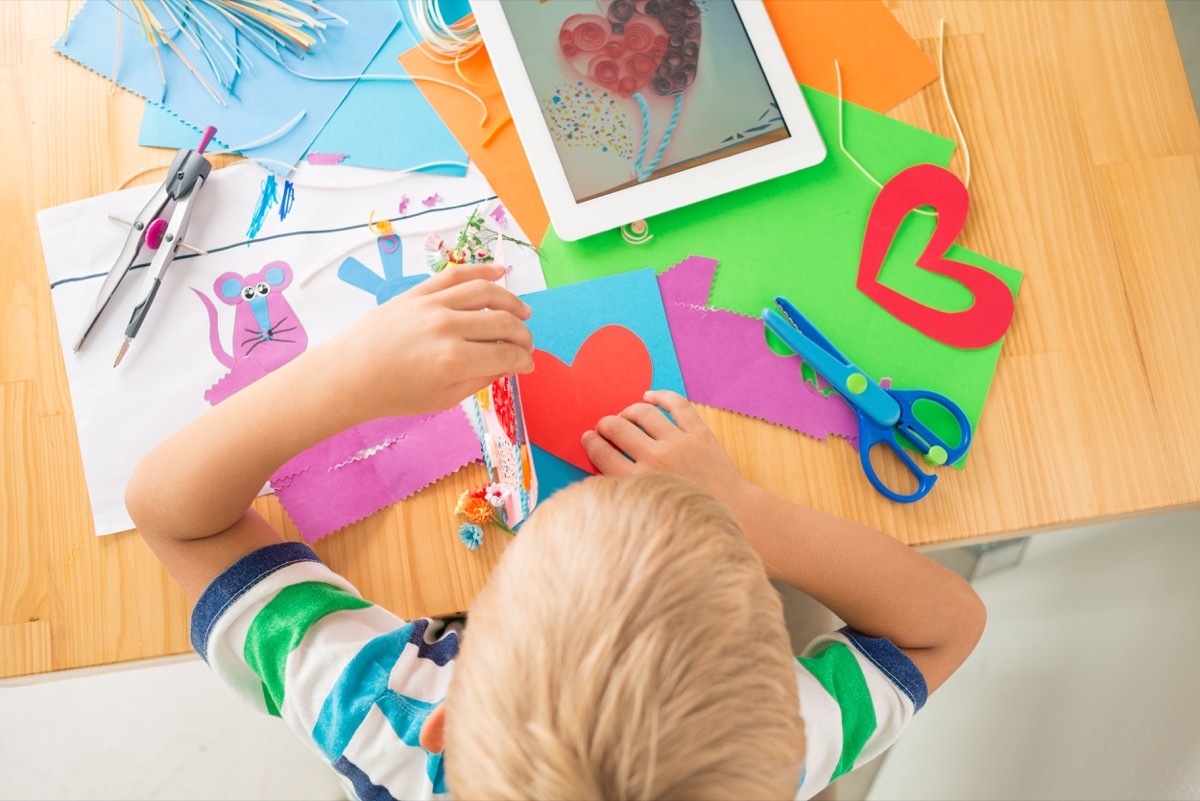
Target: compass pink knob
(154,233)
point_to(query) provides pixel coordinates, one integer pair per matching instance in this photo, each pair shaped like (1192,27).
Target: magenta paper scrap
(727,363)
(371,466)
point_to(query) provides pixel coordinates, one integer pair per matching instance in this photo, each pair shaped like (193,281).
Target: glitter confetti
(583,115)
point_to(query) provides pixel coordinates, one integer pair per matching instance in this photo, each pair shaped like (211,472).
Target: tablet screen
(632,90)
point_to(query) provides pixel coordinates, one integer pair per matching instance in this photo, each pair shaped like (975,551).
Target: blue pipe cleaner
(639,171)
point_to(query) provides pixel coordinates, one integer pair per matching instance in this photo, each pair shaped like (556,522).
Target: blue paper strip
(384,124)
(265,97)
(564,317)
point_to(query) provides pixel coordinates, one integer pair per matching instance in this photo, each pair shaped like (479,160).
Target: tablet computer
(629,108)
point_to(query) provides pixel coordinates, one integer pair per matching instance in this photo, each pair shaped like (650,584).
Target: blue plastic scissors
(883,414)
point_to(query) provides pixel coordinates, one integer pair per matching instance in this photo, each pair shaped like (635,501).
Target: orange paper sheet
(881,65)
(501,160)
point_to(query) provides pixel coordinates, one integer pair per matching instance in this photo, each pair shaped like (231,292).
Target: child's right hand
(439,342)
(643,439)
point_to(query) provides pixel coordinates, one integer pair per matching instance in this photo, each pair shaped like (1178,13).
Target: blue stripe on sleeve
(356,690)
(363,684)
(439,652)
(236,581)
(364,788)
(893,663)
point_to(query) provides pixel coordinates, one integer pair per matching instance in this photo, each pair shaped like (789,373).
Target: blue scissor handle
(871,434)
(916,431)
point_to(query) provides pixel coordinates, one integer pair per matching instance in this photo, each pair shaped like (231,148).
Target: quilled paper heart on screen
(635,42)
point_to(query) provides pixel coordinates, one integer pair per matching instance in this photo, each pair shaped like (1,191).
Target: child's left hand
(643,439)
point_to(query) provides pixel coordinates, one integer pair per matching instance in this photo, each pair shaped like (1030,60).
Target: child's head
(628,645)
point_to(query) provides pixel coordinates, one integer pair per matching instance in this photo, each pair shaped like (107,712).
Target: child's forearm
(876,584)
(202,479)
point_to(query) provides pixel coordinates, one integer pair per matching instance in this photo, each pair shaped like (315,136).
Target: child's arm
(422,352)
(878,586)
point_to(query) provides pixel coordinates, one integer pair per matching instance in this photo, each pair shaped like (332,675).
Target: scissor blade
(806,327)
(861,391)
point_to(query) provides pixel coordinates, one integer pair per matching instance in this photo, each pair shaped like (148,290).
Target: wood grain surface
(1085,174)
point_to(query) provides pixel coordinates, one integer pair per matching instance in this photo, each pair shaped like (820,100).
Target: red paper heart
(978,326)
(611,370)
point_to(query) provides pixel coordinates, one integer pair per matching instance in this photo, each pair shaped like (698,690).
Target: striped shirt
(857,695)
(356,683)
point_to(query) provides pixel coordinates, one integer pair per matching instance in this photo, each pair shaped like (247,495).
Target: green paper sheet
(800,236)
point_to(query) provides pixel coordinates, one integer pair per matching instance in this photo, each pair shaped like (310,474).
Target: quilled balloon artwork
(634,43)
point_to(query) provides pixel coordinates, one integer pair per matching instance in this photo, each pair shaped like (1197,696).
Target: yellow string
(946,96)
(116,58)
(507,119)
(962,139)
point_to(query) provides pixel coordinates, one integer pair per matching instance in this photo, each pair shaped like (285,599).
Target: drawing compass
(161,233)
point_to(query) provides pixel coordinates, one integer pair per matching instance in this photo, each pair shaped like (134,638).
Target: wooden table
(1086,175)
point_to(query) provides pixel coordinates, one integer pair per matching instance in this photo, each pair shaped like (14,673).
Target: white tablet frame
(574,220)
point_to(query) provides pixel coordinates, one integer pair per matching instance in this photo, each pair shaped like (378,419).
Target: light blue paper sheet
(566,316)
(265,97)
(383,124)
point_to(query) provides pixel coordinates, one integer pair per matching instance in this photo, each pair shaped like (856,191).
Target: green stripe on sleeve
(836,669)
(282,624)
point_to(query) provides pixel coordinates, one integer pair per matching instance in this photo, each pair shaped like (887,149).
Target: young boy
(628,645)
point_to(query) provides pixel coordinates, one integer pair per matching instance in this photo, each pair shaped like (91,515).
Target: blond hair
(628,645)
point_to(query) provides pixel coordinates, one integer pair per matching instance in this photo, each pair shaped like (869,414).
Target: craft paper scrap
(601,344)
(881,63)
(370,467)
(801,236)
(161,384)
(384,124)
(726,362)
(265,97)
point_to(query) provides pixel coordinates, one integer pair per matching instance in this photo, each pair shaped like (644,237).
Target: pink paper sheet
(726,362)
(371,466)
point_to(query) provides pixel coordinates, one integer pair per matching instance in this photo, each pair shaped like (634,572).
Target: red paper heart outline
(611,370)
(988,317)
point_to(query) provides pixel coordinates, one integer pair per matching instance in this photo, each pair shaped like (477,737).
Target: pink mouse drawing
(266,331)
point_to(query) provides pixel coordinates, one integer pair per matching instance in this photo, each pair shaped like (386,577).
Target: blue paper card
(383,124)
(564,317)
(265,96)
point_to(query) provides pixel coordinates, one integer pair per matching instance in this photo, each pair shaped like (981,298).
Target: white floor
(1084,685)
(163,732)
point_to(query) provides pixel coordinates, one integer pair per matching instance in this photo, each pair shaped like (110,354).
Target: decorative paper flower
(480,506)
(472,245)
(471,535)
(477,494)
(497,494)
(477,511)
